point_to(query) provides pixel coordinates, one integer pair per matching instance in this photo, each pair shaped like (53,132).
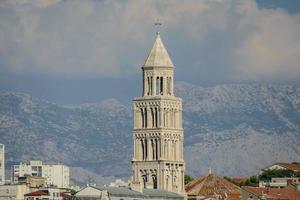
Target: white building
(57,175)
(13,192)
(280,182)
(2,164)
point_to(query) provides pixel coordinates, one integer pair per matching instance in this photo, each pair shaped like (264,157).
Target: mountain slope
(235,129)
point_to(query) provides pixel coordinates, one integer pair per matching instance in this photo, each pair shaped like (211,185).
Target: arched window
(161,85)
(168,86)
(156,147)
(146,149)
(145,118)
(148,85)
(156,118)
(157,85)
(153,117)
(151,87)
(153,148)
(154,179)
(142,117)
(144,177)
(143,148)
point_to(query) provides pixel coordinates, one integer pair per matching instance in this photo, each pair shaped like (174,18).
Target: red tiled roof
(211,185)
(38,193)
(274,193)
(291,166)
(64,195)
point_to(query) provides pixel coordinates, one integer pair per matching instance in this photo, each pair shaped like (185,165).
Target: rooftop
(273,193)
(127,192)
(291,166)
(38,193)
(158,56)
(210,185)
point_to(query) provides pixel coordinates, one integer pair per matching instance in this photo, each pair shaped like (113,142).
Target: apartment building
(56,175)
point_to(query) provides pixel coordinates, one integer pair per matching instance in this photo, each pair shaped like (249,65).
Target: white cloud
(110,38)
(271,51)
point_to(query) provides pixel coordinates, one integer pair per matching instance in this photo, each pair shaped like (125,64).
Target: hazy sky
(74,51)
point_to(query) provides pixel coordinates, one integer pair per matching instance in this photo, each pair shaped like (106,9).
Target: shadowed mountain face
(235,129)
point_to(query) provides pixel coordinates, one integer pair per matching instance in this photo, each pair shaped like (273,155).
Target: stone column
(164,85)
(158,149)
(181,148)
(166,149)
(148,149)
(172,85)
(160,121)
(152,149)
(139,118)
(136,118)
(134,149)
(176,118)
(180,119)
(173,149)
(149,122)
(182,181)
(145,84)
(162,146)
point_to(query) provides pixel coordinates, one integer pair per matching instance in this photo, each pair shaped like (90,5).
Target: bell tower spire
(159,63)
(158,161)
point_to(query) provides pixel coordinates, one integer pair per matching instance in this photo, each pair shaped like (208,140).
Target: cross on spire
(157,24)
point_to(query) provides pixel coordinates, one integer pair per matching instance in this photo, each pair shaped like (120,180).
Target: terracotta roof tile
(274,193)
(292,166)
(210,185)
(38,193)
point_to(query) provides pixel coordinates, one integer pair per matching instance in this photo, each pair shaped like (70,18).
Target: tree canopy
(187,179)
(268,174)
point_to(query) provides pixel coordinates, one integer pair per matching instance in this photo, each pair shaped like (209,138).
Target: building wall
(2,164)
(13,192)
(58,175)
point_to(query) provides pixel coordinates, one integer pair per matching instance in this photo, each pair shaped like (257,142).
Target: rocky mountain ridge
(233,128)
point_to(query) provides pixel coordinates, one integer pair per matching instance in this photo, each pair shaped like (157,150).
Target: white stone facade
(58,175)
(158,161)
(13,192)
(2,164)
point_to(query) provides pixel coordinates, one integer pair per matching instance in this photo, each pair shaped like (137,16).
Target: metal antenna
(157,24)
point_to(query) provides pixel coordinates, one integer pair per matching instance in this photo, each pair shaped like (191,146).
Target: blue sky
(75,51)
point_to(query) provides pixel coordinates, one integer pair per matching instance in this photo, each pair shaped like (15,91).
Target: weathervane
(157,24)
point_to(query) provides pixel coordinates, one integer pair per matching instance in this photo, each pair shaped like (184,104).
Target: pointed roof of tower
(158,56)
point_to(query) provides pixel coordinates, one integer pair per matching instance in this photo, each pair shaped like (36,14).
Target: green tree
(230,180)
(187,179)
(252,181)
(268,174)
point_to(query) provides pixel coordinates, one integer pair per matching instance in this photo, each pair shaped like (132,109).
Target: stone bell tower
(158,134)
